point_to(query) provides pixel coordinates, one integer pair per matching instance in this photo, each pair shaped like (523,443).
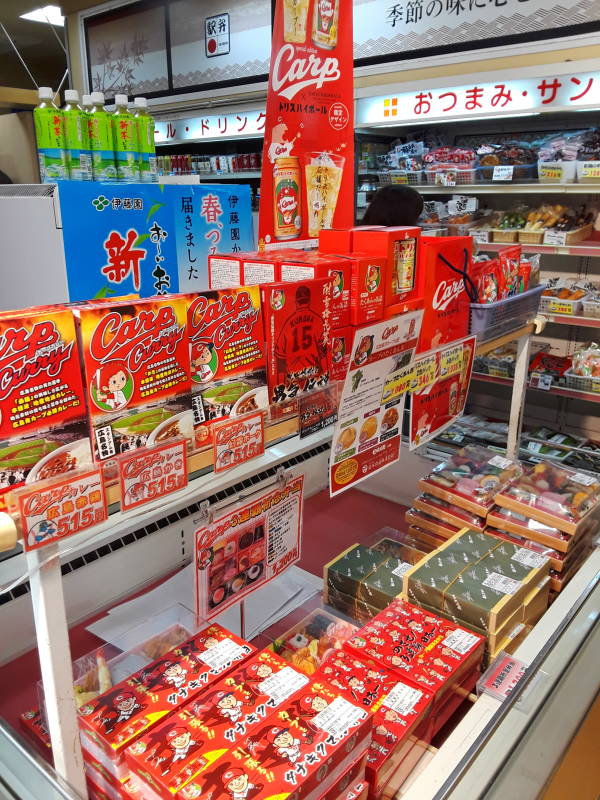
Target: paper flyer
(367,434)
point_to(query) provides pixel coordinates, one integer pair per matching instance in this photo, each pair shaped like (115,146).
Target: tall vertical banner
(308,156)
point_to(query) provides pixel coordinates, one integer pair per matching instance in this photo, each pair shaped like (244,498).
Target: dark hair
(394,205)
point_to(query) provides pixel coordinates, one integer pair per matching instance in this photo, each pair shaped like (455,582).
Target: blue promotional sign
(210,219)
(143,238)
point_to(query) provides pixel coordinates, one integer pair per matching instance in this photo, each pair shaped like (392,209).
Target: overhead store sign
(400,28)
(533,95)
(217,126)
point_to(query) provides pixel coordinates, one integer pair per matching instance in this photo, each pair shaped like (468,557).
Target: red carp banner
(308,155)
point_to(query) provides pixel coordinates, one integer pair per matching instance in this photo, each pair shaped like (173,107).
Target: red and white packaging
(228,271)
(341,350)
(399,246)
(307,265)
(343,785)
(443,263)
(367,299)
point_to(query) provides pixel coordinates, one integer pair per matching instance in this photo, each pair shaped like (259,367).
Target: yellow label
(554,173)
(451,361)
(498,372)
(397,384)
(591,170)
(345,472)
(424,373)
(596,387)
(560,308)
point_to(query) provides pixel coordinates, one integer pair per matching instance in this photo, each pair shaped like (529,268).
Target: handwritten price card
(148,474)
(51,511)
(238,440)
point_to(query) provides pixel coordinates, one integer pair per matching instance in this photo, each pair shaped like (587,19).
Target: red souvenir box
(307,265)
(116,718)
(227,355)
(399,246)
(341,240)
(137,372)
(353,775)
(365,685)
(175,752)
(242,269)
(426,650)
(33,722)
(367,299)
(43,422)
(297,326)
(341,350)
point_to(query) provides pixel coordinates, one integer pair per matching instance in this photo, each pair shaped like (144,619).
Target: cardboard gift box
(384,584)
(428,536)
(361,683)
(228,271)
(341,240)
(399,246)
(424,649)
(309,265)
(33,723)
(112,721)
(476,579)
(350,567)
(175,752)
(342,340)
(367,298)
(514,522)
(344,786)
(352,607)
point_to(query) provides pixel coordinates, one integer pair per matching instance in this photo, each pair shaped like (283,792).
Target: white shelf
(228,176)
(512,188)
(586,248)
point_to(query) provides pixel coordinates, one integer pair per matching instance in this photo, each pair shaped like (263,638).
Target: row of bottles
(86,142)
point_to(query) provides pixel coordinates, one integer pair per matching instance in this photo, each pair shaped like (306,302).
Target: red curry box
(425,650)
(398,246)
(137,373)
(43,421)
(341,349)
(177,751)
(112,721)
(306,266)
(227,356)
(228,271)
(297,326)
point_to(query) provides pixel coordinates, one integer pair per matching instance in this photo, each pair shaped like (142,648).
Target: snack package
(297,326)
(510,260)
(587,361)
(308,643)
(488,279)
(348,786)
(43,421)
(423,649)
(33,723)
(227,356)
(110,722)
(471,478)
(363,684)
(175,752)
(555,495)
(136,372)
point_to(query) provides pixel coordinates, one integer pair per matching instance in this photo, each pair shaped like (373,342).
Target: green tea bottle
(77,139)
(145,132)
(86,102)
(101,140)
(50,137)
(126,141)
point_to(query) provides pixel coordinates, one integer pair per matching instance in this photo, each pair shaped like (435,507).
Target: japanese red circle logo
(339,116)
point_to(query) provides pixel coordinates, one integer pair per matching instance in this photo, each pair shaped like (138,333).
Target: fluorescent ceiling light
(49,14)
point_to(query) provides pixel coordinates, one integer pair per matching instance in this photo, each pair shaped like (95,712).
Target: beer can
(325,24)
(287,197)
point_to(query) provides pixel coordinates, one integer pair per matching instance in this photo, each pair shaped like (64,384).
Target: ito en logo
(100,202)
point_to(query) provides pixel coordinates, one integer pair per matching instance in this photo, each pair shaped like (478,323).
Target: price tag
(222,655)
(501,583)
(558,238)
(550,172)
(338,718)
(424,373)
(503,676)
(445,178)
(238,440)
(317,410)
(397,384)
(529,558)
(498,372)
(402,699)
(53,510)
(481,237)
(503,172)
(451,361)
(461,641)
(500,462)
(150,473)
(402,569)
(583,479)
(283,684)
(540,380)
(559,307)
(590,169)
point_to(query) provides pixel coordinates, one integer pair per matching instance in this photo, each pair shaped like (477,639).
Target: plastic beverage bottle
(126,141)
(77,139)
(145,132)
(86,102)
(50,136)
(101,140)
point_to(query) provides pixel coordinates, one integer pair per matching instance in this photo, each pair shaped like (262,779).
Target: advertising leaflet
(308,171)
(247,547)
(440,386)
(367,435)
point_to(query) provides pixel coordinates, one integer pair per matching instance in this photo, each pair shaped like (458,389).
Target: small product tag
(402,699)
(501,583)
(529,558)
(584,480)
(282,684)
(402,568)
(339,717)
(460,641)
(500,462)
(222,654)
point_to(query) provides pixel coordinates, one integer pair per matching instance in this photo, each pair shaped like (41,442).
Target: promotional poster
(308,170)
(247,547)
(444,377)
(367,435)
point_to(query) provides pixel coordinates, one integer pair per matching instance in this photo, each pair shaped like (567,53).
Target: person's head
(394,205)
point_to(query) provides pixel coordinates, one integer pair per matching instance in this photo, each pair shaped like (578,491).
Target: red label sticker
(503,676)
(54,510)
(151,473)
(238,440)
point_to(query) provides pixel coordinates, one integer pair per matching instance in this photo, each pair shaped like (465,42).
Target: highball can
(286,192)
(325,24)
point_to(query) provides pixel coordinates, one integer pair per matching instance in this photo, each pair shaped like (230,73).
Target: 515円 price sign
(52,511)
(149,474)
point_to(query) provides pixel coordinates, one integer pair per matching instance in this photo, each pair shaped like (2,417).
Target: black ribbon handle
(468,283)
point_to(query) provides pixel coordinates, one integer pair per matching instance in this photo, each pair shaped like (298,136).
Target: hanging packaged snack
(227,356)
(297,326)
(557,496)
(137,373)
(43,421)
(471,478)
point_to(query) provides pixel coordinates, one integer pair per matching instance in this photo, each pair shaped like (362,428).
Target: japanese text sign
(503,676)
(247,546)
(552,93)
(52,510)
(308,153)
(440,386)
(238,440)
(216,35)
(221,126)
(317,410)
(150,473)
